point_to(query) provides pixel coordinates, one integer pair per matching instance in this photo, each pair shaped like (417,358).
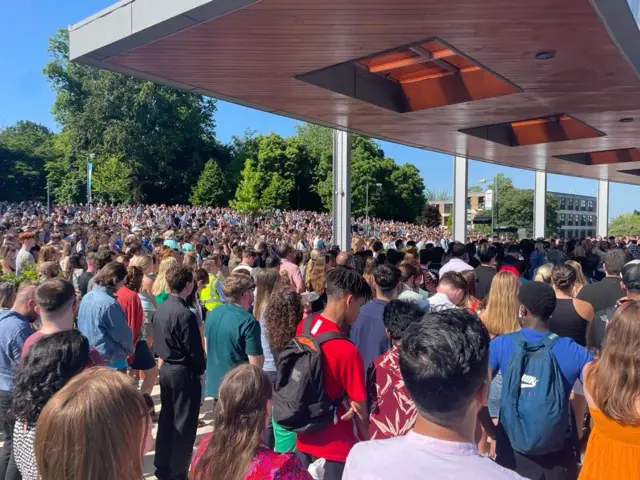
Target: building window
(570,222)
(583,204)
(591,205)
(562,203)
(480,203)
(584,219)
(590,220)
(571,204)
(447,208)
(577,219)
(563,218)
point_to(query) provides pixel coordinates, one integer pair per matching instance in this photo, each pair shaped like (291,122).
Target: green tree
(211,188)
(515,207)
(408,189)
(163,135)
(625,224)
(278,192)
(450,221)
(112,181)
(241,149)
(247,197)
(24,149)
(475,189)
(289,160)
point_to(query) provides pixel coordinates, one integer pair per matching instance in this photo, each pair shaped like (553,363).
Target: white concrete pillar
(540,205)
(603,208)
(342,189)
(460,184)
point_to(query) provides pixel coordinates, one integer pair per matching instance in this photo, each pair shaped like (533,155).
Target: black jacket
(176,336)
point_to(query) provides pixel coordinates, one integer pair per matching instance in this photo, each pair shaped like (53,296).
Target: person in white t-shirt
(444,362)
(458,262)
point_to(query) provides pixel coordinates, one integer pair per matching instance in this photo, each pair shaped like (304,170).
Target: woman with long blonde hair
(500,316)
(160,290)
(611,388)
(96,426)
(316,281)
(316,273)
(234,451)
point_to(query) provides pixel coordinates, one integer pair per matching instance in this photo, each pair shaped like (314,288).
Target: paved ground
(205,415)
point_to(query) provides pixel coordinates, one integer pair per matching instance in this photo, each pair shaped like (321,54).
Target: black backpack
(300,401)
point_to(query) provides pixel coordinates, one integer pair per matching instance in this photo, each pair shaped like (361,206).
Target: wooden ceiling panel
(254,55)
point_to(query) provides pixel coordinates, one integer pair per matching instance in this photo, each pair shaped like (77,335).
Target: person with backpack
(320,390)
(444,364)
(536,433)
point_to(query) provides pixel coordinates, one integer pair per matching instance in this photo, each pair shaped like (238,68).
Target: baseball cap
(171,244)
(631,275)
(187,247)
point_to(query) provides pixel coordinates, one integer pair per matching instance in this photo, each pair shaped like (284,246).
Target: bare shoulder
(584,309)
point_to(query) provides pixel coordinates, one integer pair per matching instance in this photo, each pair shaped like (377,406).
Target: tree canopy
(515,207)
(625,224)
(161,136)
(24,149)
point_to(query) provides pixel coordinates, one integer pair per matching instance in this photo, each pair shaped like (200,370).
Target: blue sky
(26,25)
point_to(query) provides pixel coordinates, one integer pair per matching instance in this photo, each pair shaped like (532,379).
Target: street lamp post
(494,202)
(367,206)
(89,175)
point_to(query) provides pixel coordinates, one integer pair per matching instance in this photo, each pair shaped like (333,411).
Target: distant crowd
(407,355)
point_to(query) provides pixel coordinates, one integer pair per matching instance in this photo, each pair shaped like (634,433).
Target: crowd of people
(407,355)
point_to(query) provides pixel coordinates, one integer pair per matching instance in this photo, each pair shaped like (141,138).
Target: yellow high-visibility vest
(209,297)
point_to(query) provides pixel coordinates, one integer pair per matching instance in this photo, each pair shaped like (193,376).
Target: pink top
(295,277)
(266,464)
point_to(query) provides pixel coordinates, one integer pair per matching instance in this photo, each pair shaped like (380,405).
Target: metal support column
(342,189)
(603,208)
(540,205)
(460,184)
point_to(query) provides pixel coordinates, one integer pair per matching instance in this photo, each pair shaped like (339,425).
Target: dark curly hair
(281,317)
(48,365)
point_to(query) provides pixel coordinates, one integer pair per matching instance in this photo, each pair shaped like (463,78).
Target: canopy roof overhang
(459,77)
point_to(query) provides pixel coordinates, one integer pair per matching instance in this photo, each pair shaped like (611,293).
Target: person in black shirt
(178,342)
(486,270)
(631,286)
(605,293)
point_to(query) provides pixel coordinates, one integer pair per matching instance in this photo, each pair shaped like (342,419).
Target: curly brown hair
(133,280)
(281,317)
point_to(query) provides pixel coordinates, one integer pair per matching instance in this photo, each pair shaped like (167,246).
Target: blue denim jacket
(102,320)
(14,330)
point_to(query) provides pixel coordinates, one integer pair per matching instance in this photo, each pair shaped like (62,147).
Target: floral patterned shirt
(393,413)
(266,464)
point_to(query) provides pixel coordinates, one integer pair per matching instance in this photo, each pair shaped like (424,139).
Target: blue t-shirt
(368,332)
(570,356)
